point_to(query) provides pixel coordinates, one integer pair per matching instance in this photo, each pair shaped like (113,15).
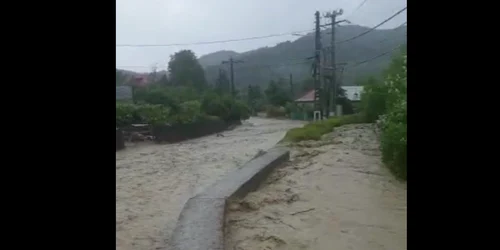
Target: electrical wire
(357,8)
(372,58)
(371,29)
(213,42)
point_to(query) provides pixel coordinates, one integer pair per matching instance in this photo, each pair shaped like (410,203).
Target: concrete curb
(201,222)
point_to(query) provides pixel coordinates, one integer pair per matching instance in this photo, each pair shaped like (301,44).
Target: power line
(389,38)
(284,62)
(272,65)
(213,42)
(357,8)
(136,66)
(371,29)
(383,40)
(372,58)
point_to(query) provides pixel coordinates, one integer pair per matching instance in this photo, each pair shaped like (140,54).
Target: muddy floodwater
(333,194)
(154,181)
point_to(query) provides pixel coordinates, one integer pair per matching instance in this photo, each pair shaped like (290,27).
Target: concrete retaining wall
(183,132)
(201,222)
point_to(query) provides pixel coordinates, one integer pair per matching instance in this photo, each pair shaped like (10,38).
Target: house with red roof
(306,102)
(353,93)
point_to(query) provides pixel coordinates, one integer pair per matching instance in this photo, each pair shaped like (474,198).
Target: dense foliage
(386,102)
(159,105)
(185,70)
(183,99)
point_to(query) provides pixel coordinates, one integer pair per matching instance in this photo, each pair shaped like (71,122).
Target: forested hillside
(271,63)
(263,64)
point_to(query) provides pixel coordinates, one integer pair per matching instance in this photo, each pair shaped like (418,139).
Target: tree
(163,81)
(277,94)
(185,70)
(121,78)
(222,83)
(254,93)
(306,86)
(254,97)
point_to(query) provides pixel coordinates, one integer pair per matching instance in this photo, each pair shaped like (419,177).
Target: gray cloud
(188,21)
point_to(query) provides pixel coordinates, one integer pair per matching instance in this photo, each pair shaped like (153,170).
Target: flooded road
(334,194)
(154,181)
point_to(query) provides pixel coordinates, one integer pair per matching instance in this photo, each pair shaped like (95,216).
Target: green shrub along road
(382,102)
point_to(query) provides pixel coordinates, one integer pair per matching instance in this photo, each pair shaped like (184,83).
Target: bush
(224,107)
(153,114)
(387,102)
(188,112)
(240,111)
(314,130)
(373,101)
(157,96)
(178,105)
(273,111)
(291,107)
(394,133)
(127,114)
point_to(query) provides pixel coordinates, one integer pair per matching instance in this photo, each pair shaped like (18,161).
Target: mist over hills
(267,63)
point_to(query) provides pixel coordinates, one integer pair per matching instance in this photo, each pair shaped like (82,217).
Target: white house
(353,93)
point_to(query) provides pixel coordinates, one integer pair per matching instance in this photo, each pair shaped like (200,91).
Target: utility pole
(154,69)
(333,88)
(231,68)
(317,66)
(291,87)
(325,87)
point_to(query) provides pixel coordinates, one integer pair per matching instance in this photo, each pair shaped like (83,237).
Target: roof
(140,80)
(352,93)
(308,97)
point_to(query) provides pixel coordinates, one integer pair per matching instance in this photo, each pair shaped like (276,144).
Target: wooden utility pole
(317,66)
(231,68)
(291,87)
(333,87)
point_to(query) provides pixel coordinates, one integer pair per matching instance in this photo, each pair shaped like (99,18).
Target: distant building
(140,81)
(123,93)
(306,102)
(353,93)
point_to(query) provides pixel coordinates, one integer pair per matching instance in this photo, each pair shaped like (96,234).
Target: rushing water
(154,181)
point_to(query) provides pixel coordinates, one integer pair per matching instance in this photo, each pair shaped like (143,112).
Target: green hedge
(314,130)
(394,124)
(156,105)
(127,114)
(387,102)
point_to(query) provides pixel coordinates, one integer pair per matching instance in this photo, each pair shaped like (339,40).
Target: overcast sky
(190,21)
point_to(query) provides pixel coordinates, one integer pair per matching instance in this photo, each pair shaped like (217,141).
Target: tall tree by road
(278,93)
(185,70)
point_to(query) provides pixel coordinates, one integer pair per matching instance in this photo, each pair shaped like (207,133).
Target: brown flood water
(154,181)
(334,194)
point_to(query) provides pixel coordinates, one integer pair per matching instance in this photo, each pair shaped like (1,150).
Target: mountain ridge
(273,62)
